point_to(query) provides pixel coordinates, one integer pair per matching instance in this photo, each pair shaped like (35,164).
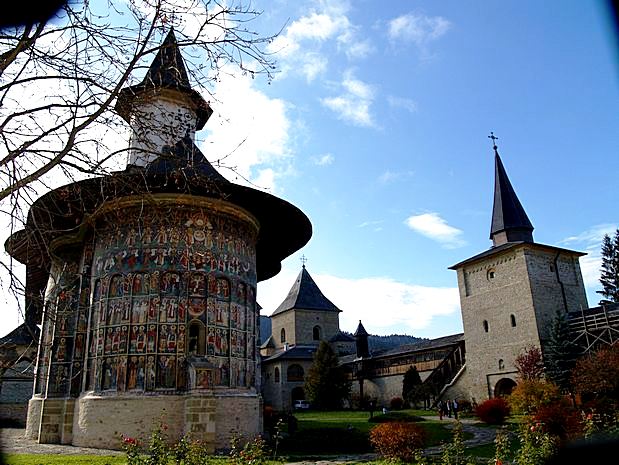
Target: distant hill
(383,343)
(376,343)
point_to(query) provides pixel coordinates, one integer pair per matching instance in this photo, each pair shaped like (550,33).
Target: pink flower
(130,441)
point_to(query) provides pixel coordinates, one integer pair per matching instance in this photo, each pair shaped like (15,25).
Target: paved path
(12,440)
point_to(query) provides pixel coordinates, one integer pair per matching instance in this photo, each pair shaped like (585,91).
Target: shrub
(493,411)
(529,395)
(398,441)
(396,403)
(559,420)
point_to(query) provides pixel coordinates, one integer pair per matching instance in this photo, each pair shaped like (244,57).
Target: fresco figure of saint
(132,378)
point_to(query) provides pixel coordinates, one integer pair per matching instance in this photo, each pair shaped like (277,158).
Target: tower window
(295,373)
(316,333)
(485,325)
(501,364)
(513,320)
(276,375)
(282,337)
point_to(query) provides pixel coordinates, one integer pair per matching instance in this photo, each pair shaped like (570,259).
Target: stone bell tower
(510,293)
(149,277)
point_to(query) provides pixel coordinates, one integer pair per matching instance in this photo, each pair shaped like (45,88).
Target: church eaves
(510,222)
(305,294)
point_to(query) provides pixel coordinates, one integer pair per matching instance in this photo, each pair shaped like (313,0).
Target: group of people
(447,408)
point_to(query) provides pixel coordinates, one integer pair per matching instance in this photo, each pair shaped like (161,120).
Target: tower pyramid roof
(360,331)
(305,294)
(167,71)
(508,215)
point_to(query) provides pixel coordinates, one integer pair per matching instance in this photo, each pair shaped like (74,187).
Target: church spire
(510,222)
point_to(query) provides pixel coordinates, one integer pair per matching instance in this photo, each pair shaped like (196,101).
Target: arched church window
(316,333)
(485,326)
(513,320)
(501,364)
(276,375)
(295,373)
(196,338)
(491,274)
(282,337)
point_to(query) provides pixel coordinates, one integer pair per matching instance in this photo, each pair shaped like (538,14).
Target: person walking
(454,407)
(441,409)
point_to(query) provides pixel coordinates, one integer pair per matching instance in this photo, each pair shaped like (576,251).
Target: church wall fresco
(166,289)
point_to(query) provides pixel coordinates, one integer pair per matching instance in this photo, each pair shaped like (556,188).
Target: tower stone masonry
(510,294)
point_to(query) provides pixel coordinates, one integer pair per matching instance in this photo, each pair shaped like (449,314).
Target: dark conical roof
(168,68)
(167,71)
(306,295)
(508,216)
(360,331)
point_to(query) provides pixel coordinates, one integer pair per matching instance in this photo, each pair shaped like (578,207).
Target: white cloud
(389,176)
(417,28)
(383,304)
(323,160)
(353,105)
(300,48)
(248,131)
(401,102)
(436,228)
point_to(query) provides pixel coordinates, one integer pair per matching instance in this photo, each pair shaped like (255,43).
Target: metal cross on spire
(494,139)
(303,260)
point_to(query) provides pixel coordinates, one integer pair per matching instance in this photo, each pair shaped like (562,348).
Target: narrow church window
(552,268)
(196,341)
(501,364)
(276,375)
(513,320)
(283,335)
(486,325)
(316,333)
(491,274)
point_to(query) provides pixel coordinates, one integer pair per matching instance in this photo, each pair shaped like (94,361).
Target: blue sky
(376,127)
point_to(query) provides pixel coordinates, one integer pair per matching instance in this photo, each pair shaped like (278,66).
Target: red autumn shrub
(396,403)
(493,411)
(398,440)
(560,420)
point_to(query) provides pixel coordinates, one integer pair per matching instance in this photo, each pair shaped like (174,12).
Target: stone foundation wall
(100,421)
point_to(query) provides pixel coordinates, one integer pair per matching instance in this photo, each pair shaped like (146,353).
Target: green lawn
(44,459)
(347,432)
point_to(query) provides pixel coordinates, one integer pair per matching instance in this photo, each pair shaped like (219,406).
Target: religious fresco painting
(174,286)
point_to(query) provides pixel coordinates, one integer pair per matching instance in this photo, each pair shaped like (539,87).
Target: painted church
(149,282)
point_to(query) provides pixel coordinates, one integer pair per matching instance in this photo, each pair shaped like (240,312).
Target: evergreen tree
(609,277)
(559,353)
(326,383)
(413,390)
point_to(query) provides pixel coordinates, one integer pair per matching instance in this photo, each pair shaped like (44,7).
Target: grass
(347,432)
(47,459)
